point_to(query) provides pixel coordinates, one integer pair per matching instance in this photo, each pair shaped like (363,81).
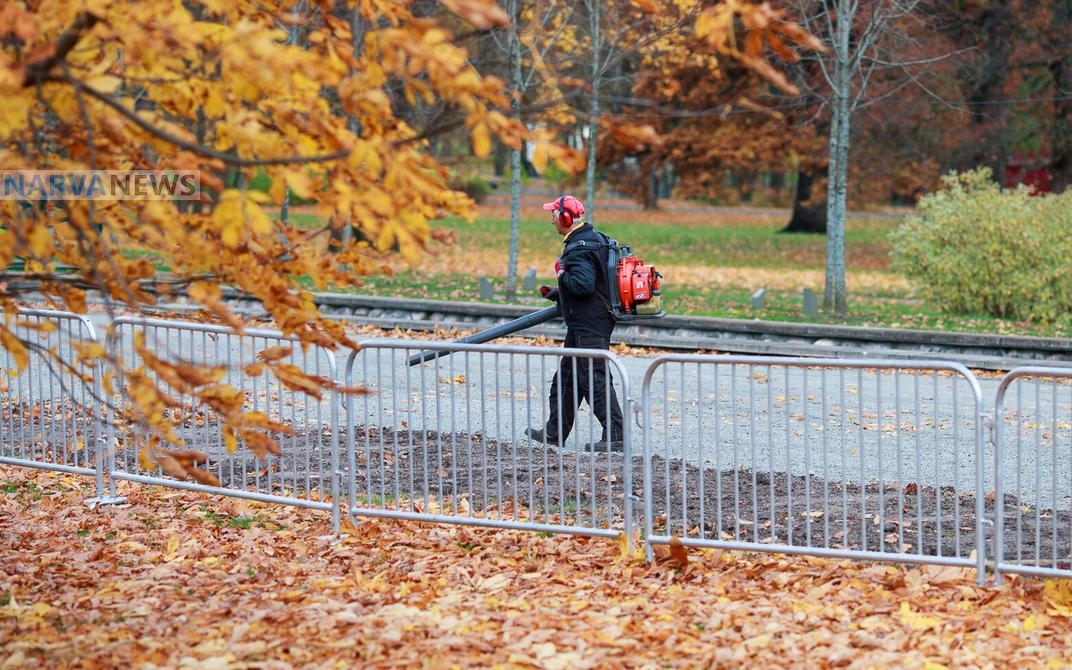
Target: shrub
(975,248)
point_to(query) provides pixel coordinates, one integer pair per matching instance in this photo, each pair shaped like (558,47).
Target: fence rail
(440,441)
(837,458)
(304,474)
(865,459)
(50,414)
(1033,473)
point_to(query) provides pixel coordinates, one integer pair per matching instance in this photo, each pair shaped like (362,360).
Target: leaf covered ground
(181,579)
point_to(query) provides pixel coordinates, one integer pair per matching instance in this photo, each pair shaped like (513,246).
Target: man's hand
(549,292)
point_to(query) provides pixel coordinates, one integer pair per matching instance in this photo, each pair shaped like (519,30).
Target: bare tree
(527,46)
(616,31)
(856,33)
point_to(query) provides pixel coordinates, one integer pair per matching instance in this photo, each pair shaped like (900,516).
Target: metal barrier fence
(444,441)
(849,459)
(50,416)
(1033,472)
(853,459)
(306,472)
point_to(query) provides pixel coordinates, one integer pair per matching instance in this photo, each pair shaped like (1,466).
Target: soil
(474,476)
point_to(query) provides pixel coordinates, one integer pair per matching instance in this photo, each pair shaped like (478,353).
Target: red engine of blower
(638,286)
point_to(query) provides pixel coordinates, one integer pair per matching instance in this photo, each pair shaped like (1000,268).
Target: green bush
(975,248)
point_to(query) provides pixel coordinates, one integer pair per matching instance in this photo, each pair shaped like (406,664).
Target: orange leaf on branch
(275,353)
(260,444)
(634,137)
(484,14)
(295,379)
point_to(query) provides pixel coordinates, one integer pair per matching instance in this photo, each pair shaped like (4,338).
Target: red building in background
(1032,170)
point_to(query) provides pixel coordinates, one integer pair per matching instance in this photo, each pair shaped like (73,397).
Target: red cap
(566,203)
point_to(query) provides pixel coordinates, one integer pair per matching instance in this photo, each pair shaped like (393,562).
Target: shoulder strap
(589,244)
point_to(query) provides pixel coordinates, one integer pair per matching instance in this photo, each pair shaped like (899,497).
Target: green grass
(751,245)
(719,259)
(240,522)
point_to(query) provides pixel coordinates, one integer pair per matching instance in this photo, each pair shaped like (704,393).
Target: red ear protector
(566,217)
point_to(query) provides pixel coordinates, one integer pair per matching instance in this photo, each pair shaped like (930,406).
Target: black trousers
(586,379)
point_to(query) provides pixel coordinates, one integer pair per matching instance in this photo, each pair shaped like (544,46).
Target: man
(582,285)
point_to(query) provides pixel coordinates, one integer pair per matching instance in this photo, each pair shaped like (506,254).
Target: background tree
(864,41)
(616,33)
(537,35)
(697,90)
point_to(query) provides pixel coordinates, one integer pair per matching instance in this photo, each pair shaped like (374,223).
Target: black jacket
(583,285)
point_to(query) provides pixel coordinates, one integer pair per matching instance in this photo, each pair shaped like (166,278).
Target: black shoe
(540,436)
(604,446)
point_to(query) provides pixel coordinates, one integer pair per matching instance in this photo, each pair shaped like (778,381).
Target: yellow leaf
(1058,596)
(145,461)
(917,621)
(260,443)
(90,350)
(15,348)
(679,552)
(172,552)
(484,14)
(495,582)
(347,527)
(230,439)
(228,217)
(35,614)
(41,241)
(105,83)
(259,222)
(14,113)
(274,353)
(646,6)
(481,139)
(299,184)
(540,157)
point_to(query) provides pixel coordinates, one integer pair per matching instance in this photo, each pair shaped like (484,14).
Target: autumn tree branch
(194,147)
(40,70)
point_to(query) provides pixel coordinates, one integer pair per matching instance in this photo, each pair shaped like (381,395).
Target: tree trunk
(834,295)
(515,159)
(1061,69)
(998,24)
(651,189)
(808,216)
(593,116)
(499,158)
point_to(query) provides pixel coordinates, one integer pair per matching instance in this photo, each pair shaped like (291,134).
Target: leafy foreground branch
(176,578)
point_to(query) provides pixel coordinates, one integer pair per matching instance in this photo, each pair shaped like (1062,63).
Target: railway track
(691,334)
